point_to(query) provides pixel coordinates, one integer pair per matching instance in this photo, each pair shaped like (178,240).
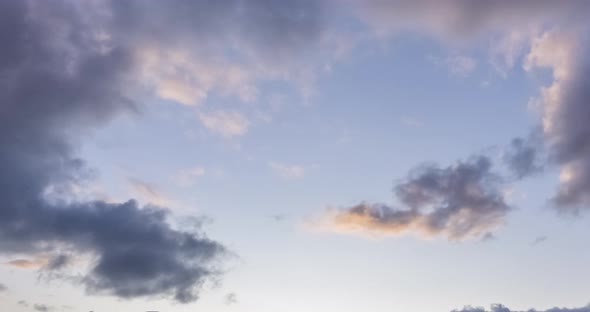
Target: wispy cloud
(289,171)
(539,240)
(46,262)
(150,193)
(458,65)
(231,299)
(228,124)
(412,122)
(36,263)
(187,177)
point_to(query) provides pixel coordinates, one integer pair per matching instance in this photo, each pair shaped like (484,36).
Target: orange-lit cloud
(36,263)
(458,202)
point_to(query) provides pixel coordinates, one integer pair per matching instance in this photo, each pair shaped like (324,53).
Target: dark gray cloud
(458,202)
(539,240)
(59,80)
(523,157)
(68,67)
(501,308)
(42,307)
(3,288)
(58,262)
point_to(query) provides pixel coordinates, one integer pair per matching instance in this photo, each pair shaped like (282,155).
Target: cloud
(3,288)
(46,262)
(231,299)
(150,193)
(62,78)
(539,240)
(279,217)
(412,122)
(458,65)
(508,49)
(513,27)
(188,176)
(188,49)
(181,77)
(501,308)
(58,262)
(28,264)
(226,123)
(42,307)
(459,202)
(287,171)
(557,34)
(144,188)
(461,65)
(69,67)
(509,26)
(460,19)
(522,157)
(565,111)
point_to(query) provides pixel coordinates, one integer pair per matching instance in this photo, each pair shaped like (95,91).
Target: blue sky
(335,154)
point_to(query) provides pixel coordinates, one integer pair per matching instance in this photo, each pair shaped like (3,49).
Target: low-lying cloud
(501,308)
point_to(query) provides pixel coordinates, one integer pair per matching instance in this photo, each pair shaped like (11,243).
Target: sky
(288,156)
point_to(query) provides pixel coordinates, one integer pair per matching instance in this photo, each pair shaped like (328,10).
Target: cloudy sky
(288,156)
